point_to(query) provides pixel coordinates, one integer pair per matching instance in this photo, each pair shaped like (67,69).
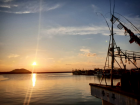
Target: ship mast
(112,34)
(115,51)
(112,62)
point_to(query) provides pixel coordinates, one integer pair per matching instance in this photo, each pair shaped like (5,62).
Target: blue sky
(61,34)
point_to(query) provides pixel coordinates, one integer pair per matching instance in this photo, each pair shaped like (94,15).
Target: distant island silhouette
(17,71)
(25,71)
(22,70)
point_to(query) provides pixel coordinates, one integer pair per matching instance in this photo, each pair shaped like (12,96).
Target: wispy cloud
(95,8)
(88,54)
(91,29)
(53,7)
(24,12)
(24,7)
(5,6)
(85,50)
(82,30)
(6,0)
(13,55)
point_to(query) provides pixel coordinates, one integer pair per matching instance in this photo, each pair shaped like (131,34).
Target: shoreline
(31,72)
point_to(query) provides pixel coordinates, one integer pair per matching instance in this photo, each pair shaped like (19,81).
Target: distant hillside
(20,71)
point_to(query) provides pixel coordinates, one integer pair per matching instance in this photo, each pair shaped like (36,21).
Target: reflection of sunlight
(2,78)
(33,79)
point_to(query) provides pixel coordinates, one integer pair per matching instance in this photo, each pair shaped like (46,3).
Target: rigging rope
(128,21)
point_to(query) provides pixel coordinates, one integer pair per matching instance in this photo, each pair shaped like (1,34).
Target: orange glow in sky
(51,36)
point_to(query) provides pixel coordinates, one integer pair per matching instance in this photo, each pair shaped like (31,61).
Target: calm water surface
(48,89)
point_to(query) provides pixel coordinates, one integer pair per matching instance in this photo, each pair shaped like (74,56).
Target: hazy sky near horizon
(61,34)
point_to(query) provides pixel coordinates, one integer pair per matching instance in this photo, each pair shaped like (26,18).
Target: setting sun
(34,63)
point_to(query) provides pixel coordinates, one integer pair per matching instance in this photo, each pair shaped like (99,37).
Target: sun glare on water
(33,79)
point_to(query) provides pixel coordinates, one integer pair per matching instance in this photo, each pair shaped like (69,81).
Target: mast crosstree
(116,52)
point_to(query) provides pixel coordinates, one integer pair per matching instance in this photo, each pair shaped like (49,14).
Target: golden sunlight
(34,63)
(33,79)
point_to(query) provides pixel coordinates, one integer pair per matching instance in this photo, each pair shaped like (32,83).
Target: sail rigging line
(107,52)
(128,21)
(106,61)
(126,56)
(112,47)
(105,20)
(110,8)
(133,37)
(123,63)
(129,51)
(130,60)
(118,63)
(117,49)
(114,7)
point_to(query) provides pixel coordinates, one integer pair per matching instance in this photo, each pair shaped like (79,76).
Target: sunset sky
(61,34)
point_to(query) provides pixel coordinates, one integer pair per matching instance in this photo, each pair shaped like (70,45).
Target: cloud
(7,0)
(91,29)
(5,6)
(91,54)
(24,7)
(85,50)
(95,8)
(53,7)
(13,55)
(24,12)
(88,54)
(82,30)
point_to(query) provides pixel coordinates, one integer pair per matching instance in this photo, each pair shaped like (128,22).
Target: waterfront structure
(96,72)
(127,91)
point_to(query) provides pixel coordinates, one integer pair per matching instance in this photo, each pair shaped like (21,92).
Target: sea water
(48,89)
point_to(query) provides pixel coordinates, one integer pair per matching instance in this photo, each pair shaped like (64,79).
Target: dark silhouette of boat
(127,91)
